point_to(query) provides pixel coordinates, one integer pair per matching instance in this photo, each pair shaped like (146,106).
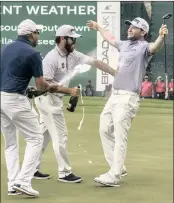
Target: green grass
(149,159)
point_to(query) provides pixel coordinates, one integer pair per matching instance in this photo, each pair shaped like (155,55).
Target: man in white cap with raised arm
(19,63)
(122,106)
(59,62)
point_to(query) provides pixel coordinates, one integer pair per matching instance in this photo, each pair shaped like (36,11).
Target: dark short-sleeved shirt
(19,63)
(132,64)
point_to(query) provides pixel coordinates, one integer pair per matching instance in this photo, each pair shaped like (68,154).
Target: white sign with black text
(108,15)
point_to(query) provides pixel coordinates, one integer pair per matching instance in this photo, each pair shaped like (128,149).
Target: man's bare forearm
(46,85)
(104,67)
(64,90)
(106,35)
(157,45)
(58,88)
(74,91)
(41,84)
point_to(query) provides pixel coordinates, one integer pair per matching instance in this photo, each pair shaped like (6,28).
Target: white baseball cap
(27,27)
(67,30)
(140,23)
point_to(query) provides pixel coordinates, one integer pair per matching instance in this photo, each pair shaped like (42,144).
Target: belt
(124,92)
(57,95)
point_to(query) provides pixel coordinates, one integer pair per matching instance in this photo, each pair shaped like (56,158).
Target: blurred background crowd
(149,89)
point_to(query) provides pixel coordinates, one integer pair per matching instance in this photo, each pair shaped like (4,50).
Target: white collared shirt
(56,64)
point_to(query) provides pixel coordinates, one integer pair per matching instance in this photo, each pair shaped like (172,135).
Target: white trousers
(115,122)
(17,115)
(52,123)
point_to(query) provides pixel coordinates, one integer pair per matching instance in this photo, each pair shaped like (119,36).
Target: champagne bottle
(73,103)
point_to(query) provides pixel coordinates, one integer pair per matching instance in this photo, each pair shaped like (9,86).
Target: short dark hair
(145,36)
(58,39)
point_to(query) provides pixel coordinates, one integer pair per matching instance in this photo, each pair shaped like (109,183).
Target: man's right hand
(75,91)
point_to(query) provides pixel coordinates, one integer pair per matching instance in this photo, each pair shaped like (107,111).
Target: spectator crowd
(149,89)
(158,89)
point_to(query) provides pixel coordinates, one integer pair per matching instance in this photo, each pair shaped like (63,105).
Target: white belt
(122,92)
(55,94)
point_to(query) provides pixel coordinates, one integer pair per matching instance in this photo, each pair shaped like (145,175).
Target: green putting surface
(149,159)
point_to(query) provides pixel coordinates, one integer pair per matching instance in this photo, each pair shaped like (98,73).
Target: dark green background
(84,44)
(129,10)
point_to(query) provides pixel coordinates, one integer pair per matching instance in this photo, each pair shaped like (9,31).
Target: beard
(34,44)
(69,47)
(133,38)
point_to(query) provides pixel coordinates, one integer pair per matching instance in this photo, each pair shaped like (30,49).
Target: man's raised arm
(158,44)
(108,36)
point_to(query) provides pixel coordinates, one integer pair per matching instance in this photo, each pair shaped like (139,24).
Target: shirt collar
(60,51)
(24,39)
(136,41)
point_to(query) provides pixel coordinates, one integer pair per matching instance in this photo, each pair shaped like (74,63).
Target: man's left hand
(163,30)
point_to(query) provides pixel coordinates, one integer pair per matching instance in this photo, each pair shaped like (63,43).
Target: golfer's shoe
(124,173)
(71,178)
(107,180)
(28,190)
(41,176)
(14,193)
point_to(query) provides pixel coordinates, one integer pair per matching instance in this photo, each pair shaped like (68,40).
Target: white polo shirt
(56,64)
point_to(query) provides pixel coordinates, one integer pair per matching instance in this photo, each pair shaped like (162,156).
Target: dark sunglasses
(36,32)
(72,38)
